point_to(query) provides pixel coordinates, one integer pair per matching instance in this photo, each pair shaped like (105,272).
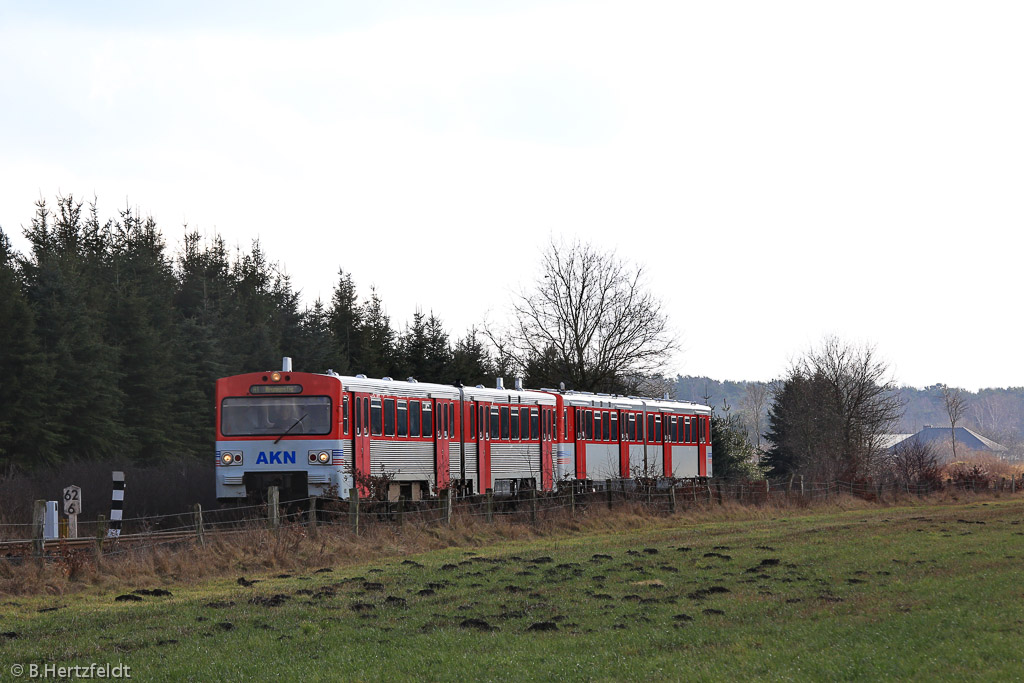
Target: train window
(534,424)
(630,427)
(403,419)
(414,418)
(614,426)
(657,429)
(597,425)
(650,426)
(359,417)
(544,425)
(565,424)
(703,430)
(504,422)
(673,430)
(495,433)
(515,423)
(375,417)
(389,417)
(524,424)
(483,421)
(428,420)
(639,426)
(276,415)
(344,414)
(606,427)
(588,425)
(449,422)
(472,423)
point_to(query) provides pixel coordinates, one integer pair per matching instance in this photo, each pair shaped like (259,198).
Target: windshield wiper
(294,425)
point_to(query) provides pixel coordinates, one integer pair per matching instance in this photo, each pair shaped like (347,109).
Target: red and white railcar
(308,433)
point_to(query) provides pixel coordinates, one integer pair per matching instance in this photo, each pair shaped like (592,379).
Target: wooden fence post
(489,495)
(353,509)
(273,507)
(400,510)
(449,502)
(101,533)
(672,500)
(312,515)
(533,506)
(801,486)
(197,519)
(38,522)
(572,499)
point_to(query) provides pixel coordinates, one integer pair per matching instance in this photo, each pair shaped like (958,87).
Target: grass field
(919,592)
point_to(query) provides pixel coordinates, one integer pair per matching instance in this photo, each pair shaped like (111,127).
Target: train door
(576,430)
(547,416)
(361,435)
(702,445)
(669,432)
(483,445)
(624,437)
(444,412)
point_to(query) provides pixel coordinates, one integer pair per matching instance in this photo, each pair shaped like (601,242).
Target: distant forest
(994,413)
(110,345)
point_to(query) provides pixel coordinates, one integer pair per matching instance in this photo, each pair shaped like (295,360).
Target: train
(313,434)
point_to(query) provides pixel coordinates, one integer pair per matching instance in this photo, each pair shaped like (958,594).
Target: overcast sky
(783,170)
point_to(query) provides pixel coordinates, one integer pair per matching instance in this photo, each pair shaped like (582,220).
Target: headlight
(231,458)
(319,457)
(324,457)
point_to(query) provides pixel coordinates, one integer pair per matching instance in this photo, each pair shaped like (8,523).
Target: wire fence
(356,515)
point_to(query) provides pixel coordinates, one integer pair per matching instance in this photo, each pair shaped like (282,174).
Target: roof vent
(387,379)
(412,379)
(286,364)
(519,383)
(500,383)
(479,386)
(360,376)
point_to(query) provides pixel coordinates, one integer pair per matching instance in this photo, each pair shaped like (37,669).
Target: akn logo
(276,458)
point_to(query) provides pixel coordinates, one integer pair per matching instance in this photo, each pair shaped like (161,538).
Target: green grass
(902,593)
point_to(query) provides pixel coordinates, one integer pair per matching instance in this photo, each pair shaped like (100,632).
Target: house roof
(964,436)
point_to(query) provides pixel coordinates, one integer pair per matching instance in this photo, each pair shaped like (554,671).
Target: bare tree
(830,412)
(915,463)
(956,406)
(589,320)
(753,404)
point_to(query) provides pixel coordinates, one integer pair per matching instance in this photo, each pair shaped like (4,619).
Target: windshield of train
(275,415)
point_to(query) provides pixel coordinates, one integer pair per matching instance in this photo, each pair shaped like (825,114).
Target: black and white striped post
(116,506)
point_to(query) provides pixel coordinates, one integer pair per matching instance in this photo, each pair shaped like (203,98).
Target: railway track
(54,547)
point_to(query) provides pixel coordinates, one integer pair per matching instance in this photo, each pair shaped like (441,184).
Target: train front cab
(283,429)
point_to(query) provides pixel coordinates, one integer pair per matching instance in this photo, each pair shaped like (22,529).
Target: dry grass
(994,467)
(294,548)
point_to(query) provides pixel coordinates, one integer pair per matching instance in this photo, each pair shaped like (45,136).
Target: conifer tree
(345,322)
(27,434)
(68,289)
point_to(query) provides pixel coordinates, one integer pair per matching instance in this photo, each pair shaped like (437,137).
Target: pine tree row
(110,347)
